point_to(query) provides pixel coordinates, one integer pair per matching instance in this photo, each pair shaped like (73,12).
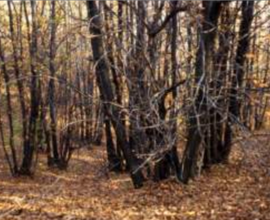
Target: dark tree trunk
(173,152)
(17,72)
(169,162)
(239,72)
(114,161)
(137,92)
(13,165)
(219,129)
(242,49)
(106,90)
(51,89)
(30,145)
(198,114)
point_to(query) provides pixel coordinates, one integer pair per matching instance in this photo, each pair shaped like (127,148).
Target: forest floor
(238,190)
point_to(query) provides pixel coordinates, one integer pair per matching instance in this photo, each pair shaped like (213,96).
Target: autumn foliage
(100,98)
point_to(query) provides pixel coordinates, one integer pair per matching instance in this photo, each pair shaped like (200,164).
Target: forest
(134,109)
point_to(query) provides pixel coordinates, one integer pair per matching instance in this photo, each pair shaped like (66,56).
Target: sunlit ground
(238,190)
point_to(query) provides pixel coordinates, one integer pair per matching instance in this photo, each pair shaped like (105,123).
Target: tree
(107,94)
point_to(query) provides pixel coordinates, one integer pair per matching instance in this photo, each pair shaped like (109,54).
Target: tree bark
(107,93)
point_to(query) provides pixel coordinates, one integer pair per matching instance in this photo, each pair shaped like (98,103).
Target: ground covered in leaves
(238,190)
